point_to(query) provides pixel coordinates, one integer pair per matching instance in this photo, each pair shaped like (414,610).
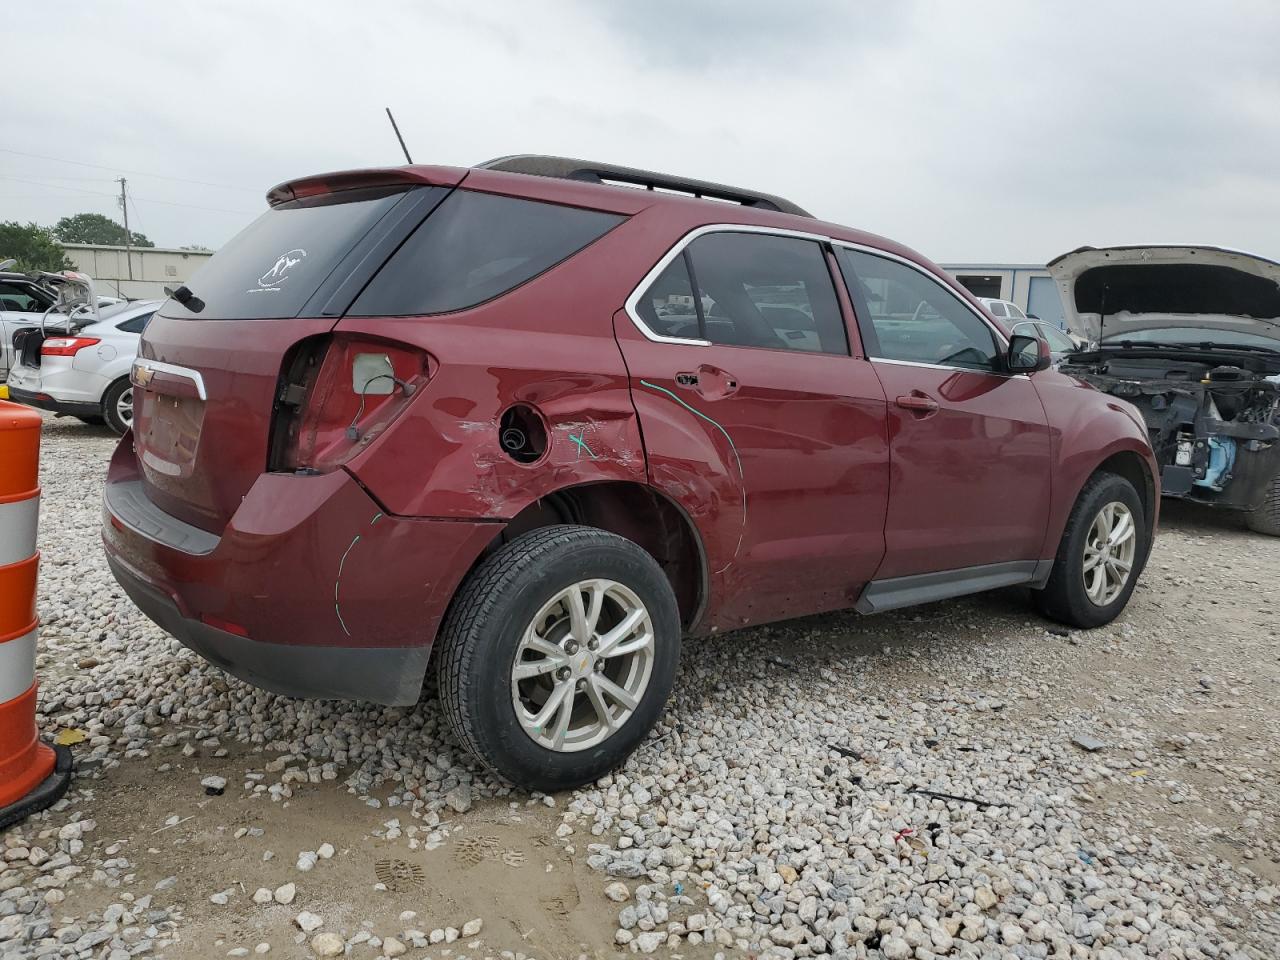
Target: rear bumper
(43,401)
(310,590)
(390,675)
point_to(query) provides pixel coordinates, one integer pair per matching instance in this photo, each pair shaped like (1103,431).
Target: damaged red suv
(543,424)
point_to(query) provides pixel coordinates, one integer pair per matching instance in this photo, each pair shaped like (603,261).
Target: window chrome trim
(877,252)
(633,300)
(186,373)
(925,365)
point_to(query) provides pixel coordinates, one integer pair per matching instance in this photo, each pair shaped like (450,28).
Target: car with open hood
(1191,336)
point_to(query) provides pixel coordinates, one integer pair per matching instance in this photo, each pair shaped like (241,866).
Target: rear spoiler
(325,183)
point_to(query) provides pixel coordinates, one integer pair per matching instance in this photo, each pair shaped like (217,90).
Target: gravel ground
(909,785)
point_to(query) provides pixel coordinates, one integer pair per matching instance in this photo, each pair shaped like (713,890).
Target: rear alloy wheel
(1099,557)
(558,654)
(117,405)
(583,665)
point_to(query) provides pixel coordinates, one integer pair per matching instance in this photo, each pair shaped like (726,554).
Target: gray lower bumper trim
(128,502)
(881,595)
(387,675)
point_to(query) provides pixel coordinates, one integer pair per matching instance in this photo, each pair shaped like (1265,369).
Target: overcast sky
(971,131)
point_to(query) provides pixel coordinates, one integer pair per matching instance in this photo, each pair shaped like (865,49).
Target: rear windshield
(474,247)
(272,267)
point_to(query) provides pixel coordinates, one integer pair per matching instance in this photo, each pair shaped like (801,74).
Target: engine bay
(1213,416)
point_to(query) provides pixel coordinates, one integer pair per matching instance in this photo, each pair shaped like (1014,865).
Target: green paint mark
(582,445)
(732,446)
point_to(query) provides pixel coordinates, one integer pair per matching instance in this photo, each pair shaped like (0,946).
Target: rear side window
(474,247)
(272,267)
(996,308)
(667,306)
(759,290)
(135,324)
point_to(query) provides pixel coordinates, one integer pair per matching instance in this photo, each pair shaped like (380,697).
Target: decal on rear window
(273,279)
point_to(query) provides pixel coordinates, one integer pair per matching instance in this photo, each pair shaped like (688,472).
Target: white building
(140,274)
(1026,284)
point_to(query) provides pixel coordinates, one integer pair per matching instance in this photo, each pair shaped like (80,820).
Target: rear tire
(118,399)
(1091,596)
(1265,518)
(510,666)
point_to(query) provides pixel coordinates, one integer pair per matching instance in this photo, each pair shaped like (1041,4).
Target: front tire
(558,655)
(1265,518)
(117,406)
(1101,553)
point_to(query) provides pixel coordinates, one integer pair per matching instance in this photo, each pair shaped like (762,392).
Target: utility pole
(128,237)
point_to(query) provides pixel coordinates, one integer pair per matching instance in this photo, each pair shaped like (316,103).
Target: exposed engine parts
(1208,422)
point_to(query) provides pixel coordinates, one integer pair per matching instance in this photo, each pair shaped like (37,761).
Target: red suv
(546,424)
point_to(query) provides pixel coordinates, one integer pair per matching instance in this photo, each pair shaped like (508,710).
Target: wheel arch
(1135,468)
(641,514)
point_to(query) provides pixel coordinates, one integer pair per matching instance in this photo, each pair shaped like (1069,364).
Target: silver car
(81,368)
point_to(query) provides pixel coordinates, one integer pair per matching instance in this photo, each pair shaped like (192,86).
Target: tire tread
(1265,518)
(473,603)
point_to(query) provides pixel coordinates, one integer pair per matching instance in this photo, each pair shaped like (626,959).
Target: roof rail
(566,168)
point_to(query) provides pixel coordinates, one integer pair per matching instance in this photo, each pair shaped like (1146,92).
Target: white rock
(307,922)
(325,851)
(285,893)
(327,945)
(618,892)
(472,927)
(262,895)
(391,947)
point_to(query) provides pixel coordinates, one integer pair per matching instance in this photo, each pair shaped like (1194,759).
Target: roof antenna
(407,158)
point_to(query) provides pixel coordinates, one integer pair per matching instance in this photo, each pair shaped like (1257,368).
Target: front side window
(21,299)
(474,247)
(996,308)
(905,315)
(759,290)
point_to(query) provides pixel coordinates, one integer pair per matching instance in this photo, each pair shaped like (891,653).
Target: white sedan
(83,371)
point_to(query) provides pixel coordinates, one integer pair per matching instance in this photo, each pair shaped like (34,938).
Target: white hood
(1137,288)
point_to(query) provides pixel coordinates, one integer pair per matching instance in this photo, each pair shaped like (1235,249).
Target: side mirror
(1028,351)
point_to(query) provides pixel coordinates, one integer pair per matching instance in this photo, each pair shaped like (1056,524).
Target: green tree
(32,246)
(95,228)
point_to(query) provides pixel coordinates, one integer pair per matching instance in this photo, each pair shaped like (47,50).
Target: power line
(136,173)
(136,199)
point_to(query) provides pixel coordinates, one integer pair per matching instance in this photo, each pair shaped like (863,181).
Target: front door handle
(918,403)
(686,379)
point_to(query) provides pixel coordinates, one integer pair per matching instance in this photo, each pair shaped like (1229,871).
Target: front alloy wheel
(1103,548)
(1108,553)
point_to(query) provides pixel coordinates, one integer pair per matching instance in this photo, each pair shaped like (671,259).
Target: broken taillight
(66,346)
(337,395)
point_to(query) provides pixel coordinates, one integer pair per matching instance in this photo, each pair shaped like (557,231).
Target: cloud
(979,131)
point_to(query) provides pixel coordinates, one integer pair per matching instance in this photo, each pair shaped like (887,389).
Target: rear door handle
(918,403)
(687,379)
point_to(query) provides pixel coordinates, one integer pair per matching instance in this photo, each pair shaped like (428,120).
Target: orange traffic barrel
(33,775)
